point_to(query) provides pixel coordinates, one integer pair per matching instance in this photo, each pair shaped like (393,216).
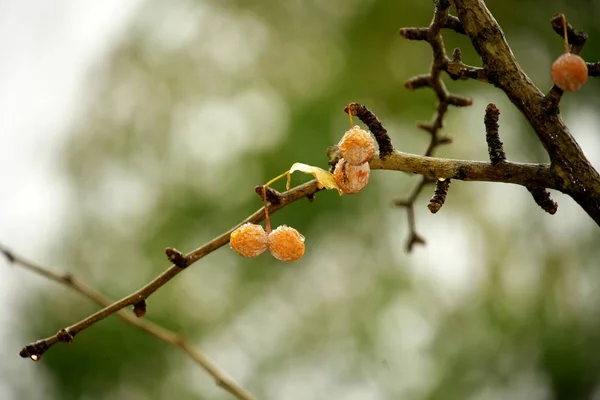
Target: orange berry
(569,72)
(286,244)
(249,240)
(351,178)
(357,146)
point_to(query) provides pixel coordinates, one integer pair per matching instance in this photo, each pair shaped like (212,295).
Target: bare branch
(523,174)
(432,34)
(38,348)
(65,335)
(577,177)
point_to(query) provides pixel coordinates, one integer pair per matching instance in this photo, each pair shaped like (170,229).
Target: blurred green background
(202,100)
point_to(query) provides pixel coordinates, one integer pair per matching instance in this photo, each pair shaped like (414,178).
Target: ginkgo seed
(351,178)
(286,244)
(249,240)
(357,146)
(569,72)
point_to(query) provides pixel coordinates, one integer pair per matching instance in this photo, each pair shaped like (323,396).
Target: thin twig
(441,62)
(152,328)
(36,349)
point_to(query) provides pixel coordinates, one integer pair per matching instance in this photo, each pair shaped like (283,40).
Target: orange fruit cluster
(284,243)
(352,171)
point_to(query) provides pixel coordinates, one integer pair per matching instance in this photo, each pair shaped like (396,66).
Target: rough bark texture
(577,177)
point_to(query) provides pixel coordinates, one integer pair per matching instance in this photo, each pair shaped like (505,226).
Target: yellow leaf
(324,178)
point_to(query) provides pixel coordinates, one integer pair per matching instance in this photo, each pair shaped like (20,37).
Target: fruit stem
(265,186)
(350,115)
(566,36)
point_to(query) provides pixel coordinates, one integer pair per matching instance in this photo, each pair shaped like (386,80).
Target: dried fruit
(249,240)
(351,178)
(357,146)
(286,244)
(569,72)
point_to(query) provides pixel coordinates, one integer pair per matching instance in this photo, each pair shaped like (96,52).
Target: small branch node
(418,82)
(273,196)
(64,336)
(176,257)
(402,203)
(426,126)
(459,101)
(439,195)
(444,140)
(415,239)
(457,55)
(414,33)
(454,23)
(139,308)
(543,199)
(34,350)
(593,68)
(456,69)
(372,122)
(495,146)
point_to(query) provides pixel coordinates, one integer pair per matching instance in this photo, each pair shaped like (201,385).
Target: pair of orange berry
(251,240)
(352,171)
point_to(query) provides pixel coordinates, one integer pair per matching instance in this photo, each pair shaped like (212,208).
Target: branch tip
(454,23)
(439,195)
(139,308)
(495,146)
(543,199)
(459,101)
(418,82)
(414,33)
(176,257)
(457,55)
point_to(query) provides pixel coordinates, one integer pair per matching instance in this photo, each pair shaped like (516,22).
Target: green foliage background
(202,101)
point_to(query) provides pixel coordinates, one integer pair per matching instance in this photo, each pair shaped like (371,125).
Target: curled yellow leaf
(324,178)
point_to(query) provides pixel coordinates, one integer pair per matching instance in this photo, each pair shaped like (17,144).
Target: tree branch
(577,177)
(432,34)
(36,349)
(149,327)
(506,172)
